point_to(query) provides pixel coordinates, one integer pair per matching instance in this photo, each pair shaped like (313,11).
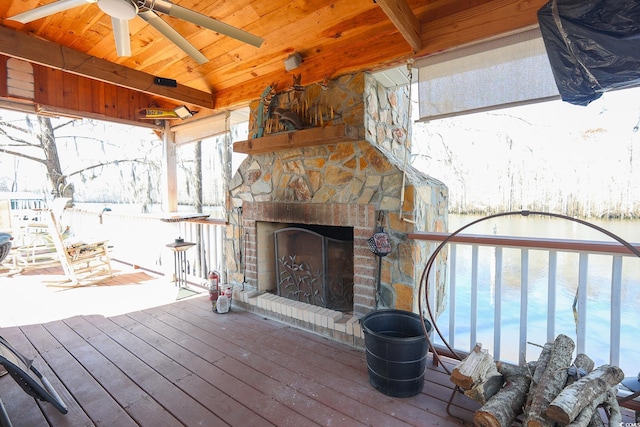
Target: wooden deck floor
(181,364)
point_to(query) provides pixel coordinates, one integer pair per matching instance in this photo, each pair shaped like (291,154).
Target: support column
(169,176)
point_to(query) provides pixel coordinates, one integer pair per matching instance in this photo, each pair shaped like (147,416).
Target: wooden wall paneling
(3,76)
(55,88)
(124,103)
(85,94)
(98,97)
(133,99)
(43,93)
(138,100)
(110,101)
(70,92)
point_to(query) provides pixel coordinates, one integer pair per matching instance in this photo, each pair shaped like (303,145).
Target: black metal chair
(29,378)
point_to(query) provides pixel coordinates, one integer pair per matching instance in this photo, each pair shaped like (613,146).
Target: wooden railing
(527,295)
(141,240)
(603,306)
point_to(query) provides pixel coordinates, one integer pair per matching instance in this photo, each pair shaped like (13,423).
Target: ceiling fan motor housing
(121,9)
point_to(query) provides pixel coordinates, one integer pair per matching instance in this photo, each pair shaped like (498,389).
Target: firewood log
(589,416)
(574,398)
(582,365)
(581,362)
(473,369)
(503,408)
(596,421)
(551,382)
(485,390)
(541,365)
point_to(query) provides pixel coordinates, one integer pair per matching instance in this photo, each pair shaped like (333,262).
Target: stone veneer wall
(346,180)
(425,205)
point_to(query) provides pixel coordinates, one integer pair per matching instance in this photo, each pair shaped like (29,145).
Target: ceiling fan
(121,11)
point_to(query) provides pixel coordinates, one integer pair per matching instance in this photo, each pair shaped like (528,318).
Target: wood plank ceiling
(334,37)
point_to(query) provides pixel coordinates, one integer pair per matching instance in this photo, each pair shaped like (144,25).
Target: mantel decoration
(295,108)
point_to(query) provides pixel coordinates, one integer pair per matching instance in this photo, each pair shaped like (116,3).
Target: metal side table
(179,248)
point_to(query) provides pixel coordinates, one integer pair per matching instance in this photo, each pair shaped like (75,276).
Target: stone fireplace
(345,169)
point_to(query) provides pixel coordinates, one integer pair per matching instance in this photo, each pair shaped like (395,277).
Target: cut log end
(485,419)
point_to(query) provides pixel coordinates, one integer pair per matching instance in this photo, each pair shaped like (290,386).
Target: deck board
(179,364)
(310,371)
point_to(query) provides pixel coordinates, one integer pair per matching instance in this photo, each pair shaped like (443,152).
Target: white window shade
(206,127)
(508,71)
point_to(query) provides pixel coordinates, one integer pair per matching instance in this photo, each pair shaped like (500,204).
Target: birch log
(581,362)
(574,398)
(552,381)
(541,365)
(589,416)
(503,408)
(474,369)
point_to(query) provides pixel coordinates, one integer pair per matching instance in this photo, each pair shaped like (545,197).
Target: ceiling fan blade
(156,22)
(121,35)
(48,9)
(166,7)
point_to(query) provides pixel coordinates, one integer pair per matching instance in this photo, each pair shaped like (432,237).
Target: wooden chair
(81,260)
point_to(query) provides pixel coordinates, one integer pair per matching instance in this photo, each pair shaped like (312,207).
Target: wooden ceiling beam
(49,54)
(403,18)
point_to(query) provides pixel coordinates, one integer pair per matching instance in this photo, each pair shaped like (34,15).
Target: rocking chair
(81,260)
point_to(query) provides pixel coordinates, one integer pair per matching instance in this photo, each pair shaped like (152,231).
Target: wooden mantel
(300,138)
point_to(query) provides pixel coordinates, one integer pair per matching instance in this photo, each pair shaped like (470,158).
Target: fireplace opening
(314,265)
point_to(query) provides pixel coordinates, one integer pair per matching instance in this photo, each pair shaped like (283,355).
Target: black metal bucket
(396,350)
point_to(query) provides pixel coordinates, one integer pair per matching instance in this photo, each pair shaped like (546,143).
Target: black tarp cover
(593,46)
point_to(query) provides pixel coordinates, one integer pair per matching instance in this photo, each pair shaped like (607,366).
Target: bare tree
(36,141)
(37,138)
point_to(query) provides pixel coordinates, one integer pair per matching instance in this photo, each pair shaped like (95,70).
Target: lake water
(598,289)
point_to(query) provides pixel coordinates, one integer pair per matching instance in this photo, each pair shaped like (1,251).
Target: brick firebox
(360,217)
